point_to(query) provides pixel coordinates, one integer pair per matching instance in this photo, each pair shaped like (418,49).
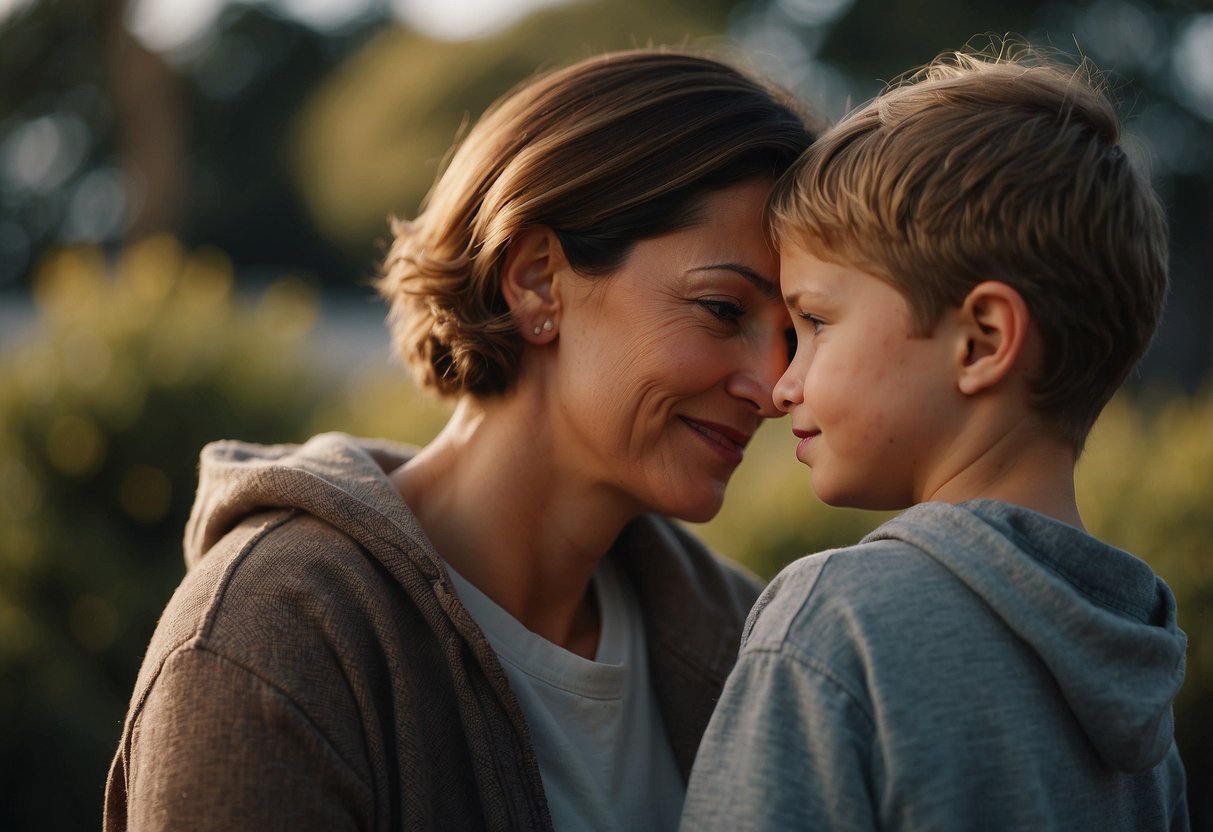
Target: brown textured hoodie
(315,669)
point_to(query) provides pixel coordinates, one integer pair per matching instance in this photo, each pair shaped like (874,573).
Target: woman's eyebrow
(769,288)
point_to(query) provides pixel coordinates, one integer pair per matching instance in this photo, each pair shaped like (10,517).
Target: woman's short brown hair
(1002,167)
(612,150)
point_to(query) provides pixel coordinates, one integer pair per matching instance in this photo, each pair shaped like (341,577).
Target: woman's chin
(695,511)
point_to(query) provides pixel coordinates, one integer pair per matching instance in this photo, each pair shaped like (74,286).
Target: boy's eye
(815,322)
(790,335)
(723,309)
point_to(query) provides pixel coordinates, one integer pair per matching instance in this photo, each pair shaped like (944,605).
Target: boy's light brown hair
(996,167)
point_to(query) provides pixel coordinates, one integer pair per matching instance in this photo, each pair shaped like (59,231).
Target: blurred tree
(57,157)
(247,84)
(103,141)
(150,129)
(371,140)
(102,413)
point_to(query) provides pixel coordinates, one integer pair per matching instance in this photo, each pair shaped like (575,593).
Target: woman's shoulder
(282,594)
(663,556)
(281,557)
(269,643)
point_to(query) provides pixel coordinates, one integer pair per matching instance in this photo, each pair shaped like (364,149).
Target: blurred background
(194,194)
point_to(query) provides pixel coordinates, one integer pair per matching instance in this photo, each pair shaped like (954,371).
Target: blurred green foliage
(369,144)
(136,361)
(133,365)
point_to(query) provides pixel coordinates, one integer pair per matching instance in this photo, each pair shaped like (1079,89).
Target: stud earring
(537,330)
(547,327)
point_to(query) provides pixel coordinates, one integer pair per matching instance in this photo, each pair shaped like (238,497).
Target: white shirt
(604,756)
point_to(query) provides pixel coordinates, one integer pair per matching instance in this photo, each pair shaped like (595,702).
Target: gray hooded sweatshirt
(316,670)
(973,666)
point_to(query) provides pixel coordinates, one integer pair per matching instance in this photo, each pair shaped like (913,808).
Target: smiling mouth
(728,442)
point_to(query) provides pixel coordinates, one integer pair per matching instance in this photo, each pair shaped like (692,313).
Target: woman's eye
(723,309)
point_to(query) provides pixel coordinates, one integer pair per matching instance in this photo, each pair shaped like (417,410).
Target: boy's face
(873,405)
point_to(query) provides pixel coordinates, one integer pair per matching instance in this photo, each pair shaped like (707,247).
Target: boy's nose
(787,392)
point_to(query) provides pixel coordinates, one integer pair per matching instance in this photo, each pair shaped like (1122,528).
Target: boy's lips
(805,436)
(728,441)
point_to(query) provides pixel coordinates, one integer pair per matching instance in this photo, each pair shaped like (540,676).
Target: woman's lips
(728,442)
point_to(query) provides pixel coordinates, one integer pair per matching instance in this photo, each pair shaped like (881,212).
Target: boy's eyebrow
(769,288)
(791,298)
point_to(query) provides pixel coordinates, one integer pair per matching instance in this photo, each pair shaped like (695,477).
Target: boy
(972,268)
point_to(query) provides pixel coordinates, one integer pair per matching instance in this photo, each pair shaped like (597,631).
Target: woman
(497,631)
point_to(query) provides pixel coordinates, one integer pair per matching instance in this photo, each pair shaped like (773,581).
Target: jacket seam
(198,634)
(196,646)
(212,612)
(197,640)
(817,668)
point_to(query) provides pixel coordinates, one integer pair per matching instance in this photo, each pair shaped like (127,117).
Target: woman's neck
(493,498)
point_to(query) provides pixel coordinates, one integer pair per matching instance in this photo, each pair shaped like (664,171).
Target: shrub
(132,366)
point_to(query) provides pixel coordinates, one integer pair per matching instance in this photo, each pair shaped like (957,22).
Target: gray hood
(1116,651)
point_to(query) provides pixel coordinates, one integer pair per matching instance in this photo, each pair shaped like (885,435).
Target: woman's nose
(756,381)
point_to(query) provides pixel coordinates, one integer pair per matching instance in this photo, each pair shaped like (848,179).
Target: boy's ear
(994,324)
(530,282)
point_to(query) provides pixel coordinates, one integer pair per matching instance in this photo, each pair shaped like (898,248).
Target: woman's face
(664,369)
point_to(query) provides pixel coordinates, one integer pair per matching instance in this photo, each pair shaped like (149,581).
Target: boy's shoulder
(942,586)
(894,551)
(948,605)
(867,581)
(985,565)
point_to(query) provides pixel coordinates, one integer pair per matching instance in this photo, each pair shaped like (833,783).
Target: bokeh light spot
(71,282)
(145,493)
(42,153)
(289,308)
(75,445)
(97,207)
(86,358)
(149,267)
(1193,64)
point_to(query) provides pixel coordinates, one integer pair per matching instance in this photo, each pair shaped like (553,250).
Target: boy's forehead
(792,292)
(805,275)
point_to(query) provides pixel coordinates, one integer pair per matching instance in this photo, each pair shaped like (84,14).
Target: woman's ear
(994,324)
(529,282)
